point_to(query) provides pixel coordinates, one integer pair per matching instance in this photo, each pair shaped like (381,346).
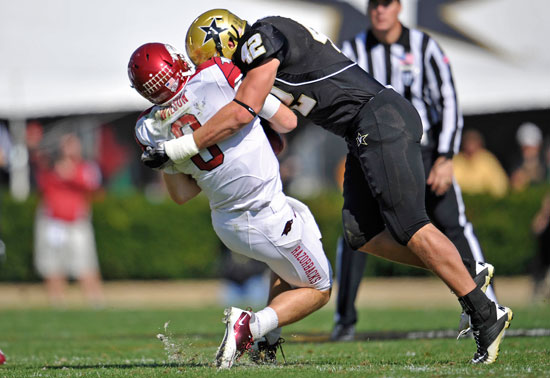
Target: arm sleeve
(150,131)
(142,136)
(444,98)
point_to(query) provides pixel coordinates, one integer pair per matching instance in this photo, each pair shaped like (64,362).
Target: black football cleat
(262,352)
(489,335)
(482,277)
(343,333)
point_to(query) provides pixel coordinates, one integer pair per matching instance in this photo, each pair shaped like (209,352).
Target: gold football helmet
(214,33)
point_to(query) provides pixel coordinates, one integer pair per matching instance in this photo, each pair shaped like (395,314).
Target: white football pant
(283,235)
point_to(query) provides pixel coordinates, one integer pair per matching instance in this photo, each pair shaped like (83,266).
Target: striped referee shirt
(416,67)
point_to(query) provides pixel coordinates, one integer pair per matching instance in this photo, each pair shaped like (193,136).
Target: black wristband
(250,110)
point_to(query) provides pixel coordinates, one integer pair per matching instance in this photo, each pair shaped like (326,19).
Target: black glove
(155,157)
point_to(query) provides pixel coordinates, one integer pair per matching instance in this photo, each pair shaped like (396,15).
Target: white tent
(65,56)
(508,70)
(62,57)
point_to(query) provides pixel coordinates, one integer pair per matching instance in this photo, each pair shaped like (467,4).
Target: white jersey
(237,174)
(240,176)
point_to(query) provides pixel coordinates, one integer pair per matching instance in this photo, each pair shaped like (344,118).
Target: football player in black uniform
(384,211)
(415,66)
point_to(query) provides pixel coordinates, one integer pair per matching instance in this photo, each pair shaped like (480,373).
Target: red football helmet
(159,72)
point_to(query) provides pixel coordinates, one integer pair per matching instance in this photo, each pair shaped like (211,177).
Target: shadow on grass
(409,335)
(130,366)
(152,365)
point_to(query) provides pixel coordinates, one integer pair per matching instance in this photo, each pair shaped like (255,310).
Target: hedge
(503,227)
(140,239)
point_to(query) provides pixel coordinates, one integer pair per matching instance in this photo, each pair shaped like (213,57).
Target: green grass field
(120,343)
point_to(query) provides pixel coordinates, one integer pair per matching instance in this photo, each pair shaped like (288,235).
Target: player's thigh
(302,263)
(392,162)
(281,239)
(361,215)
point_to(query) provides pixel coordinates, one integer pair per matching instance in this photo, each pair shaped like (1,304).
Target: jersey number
(303,105)
(320,37)
(215,151)
(252,48)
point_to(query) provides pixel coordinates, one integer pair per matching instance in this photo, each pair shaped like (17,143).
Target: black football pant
(446,212)
(541,261)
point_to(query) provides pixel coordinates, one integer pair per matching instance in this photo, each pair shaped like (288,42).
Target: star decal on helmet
(211,31)
(361,139)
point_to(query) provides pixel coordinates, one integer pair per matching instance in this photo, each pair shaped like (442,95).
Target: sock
(477,305)
(263,322)
(273,336)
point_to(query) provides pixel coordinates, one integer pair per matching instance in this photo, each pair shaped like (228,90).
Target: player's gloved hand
(155,157)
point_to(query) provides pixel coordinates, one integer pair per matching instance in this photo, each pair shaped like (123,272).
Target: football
(275,139)
(2,357)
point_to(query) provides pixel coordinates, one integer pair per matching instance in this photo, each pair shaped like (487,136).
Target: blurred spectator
(350,263)
(289,168)
(530,168)
(64,236)
(540,226)
(113,158)
(477,170)
(244,280)
(34,137)
(5,150)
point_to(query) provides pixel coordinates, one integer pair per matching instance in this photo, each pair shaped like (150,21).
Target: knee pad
(352,231)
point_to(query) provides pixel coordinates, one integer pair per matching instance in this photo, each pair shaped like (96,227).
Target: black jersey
(314,77)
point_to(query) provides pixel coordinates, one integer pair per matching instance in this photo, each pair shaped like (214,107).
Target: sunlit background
(65,62)
(64,68)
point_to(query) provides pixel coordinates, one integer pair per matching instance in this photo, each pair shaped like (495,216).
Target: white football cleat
(237,338)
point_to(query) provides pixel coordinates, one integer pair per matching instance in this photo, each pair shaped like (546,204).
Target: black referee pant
(447,214)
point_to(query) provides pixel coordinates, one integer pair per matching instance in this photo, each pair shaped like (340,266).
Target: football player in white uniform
(240,177)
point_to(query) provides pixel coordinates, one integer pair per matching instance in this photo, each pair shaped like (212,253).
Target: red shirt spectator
(67,187)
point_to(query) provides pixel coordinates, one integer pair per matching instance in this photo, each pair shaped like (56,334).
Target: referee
(416,67)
